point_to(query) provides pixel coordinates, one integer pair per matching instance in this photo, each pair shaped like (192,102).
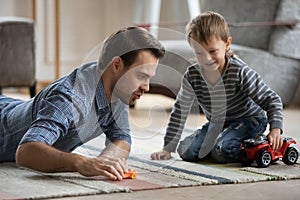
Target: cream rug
(21,183)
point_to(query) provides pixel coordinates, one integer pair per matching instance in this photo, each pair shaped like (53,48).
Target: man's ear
(117,64)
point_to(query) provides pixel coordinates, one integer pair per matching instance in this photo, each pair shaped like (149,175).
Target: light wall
(83,25)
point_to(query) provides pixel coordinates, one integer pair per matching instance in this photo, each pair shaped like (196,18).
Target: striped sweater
(240,93)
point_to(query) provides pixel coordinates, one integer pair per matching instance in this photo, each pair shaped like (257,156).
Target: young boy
(233,96)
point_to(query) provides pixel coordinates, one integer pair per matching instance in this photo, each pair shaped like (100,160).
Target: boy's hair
(127,43)
(207,25)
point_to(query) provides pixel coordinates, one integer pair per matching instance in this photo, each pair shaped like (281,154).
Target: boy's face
(135,78)
(211,56)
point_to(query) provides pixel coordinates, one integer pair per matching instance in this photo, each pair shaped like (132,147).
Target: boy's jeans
(223,147)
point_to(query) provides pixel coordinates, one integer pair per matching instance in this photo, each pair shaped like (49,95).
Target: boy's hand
(275,139)
(161,155)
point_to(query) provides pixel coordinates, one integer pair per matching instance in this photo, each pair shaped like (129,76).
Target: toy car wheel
(263,158)
(290,156)
(244,159)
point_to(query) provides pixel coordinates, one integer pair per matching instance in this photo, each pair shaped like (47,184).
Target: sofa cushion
(284,40)
(280,73)
(178,57)
(241,11)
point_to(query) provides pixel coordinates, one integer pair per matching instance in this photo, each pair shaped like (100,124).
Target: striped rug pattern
(21,183)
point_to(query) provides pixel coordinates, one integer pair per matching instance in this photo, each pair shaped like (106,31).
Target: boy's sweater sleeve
(254,86)
(178,116)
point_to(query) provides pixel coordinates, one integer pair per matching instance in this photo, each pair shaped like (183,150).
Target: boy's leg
(227,147)
(188,149)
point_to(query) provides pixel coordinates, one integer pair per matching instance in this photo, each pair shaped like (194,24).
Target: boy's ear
(116,64)
(228,43)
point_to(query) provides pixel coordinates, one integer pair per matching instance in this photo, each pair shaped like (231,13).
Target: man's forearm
(42,157)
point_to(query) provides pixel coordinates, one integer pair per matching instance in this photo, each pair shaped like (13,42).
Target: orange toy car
(131,174)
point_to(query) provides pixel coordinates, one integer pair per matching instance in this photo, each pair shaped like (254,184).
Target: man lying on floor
(42,133)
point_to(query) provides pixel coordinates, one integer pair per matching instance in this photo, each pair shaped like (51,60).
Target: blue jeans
(221,143)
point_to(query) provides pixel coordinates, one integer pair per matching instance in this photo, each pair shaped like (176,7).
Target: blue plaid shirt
(66,114)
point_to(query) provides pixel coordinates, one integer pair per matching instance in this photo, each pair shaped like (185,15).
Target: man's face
(135,79)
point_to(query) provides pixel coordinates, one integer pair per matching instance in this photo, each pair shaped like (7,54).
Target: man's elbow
(21,156)
(29,155)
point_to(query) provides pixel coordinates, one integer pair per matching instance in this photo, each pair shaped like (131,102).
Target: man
(41,133)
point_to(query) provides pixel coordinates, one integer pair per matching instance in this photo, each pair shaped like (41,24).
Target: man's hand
(42,157)
(161,155)
(104,166)
(275,139)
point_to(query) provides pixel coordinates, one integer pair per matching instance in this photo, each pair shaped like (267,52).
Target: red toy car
(260,150)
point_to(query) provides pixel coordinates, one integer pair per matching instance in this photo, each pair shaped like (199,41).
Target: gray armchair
(17,53)
(266,35)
